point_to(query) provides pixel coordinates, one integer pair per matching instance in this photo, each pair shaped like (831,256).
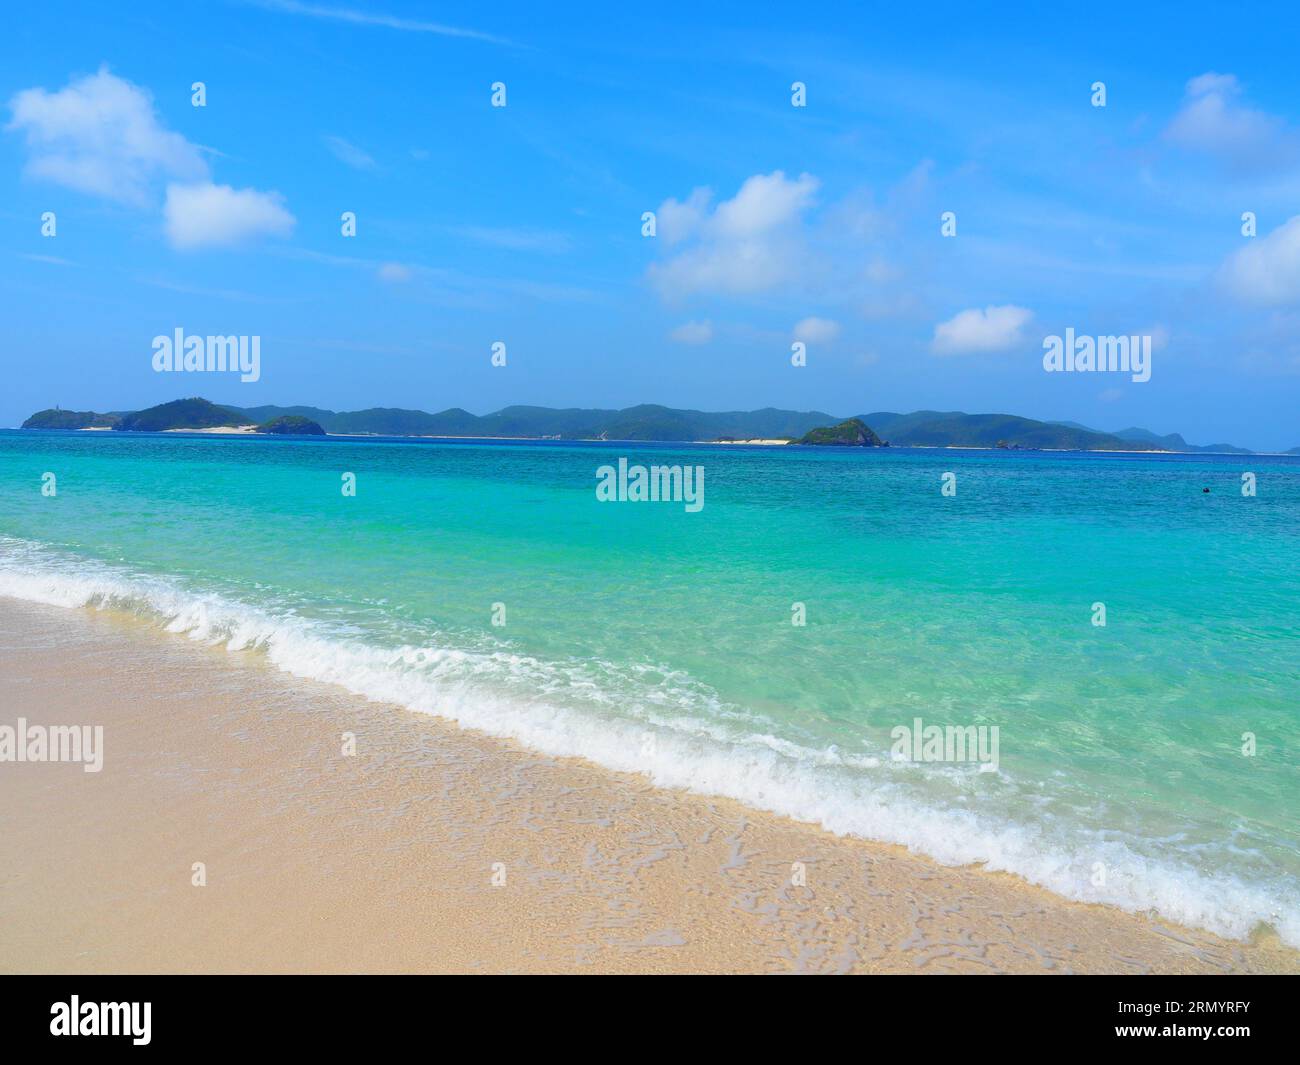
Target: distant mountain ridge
(648,422)
(929,428)
(644,422)
(1169,442)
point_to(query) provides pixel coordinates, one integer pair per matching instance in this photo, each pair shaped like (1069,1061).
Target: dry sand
(384,860)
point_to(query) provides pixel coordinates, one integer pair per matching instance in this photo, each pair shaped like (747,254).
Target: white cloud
(1266,272)
(1213,120)
(737,268)
(816,330)
(693,333)
(764,202)
(100,135)
(677,221)
(349,153)
(1210,82)
(205,214)
(975,330)
(751,243)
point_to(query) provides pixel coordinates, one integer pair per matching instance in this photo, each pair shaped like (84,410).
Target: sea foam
(598,712)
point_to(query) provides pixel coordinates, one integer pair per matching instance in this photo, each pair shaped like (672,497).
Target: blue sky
(522,224)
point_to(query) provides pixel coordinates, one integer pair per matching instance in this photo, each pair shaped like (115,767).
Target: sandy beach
(436,849)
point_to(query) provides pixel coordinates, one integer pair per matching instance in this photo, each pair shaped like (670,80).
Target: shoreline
(765,443)
(383,861)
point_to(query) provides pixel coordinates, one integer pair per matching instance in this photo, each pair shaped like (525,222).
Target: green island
(290,425)
(851,433)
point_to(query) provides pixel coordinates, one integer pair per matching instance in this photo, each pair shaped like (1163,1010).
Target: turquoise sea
(647,637)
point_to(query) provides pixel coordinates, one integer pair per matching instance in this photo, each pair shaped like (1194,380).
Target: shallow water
(644,636)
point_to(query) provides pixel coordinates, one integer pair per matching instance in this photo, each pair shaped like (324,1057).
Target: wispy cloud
(816,330)
(515,239)
(347,152)
(1214,121)
(53,260)
(1266,271)
(748,244)
(450,286)
(692,333)
(394,273)
(373,18)
(335,344)
(236,295)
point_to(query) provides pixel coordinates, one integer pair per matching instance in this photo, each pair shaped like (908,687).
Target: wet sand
(436,849)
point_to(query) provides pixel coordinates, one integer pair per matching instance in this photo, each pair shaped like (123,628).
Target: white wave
(511,695)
